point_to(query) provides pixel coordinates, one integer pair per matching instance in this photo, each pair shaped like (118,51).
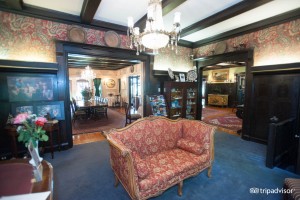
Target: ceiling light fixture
(88,73)
(154,36)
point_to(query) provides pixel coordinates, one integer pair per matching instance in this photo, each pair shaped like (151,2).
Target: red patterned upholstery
(155,153)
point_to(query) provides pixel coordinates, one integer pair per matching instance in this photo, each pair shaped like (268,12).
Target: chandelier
(88,73)
(154,36)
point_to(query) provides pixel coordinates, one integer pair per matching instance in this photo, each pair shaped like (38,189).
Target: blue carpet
(84,172)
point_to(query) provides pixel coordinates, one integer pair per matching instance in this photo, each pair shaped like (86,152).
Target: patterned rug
(115,120)
(224,120)
(207,112)
(229,121)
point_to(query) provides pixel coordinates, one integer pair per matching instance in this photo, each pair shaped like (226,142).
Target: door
(134,92)
(274,95)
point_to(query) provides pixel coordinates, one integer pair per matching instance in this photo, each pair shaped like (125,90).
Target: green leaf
(44,138)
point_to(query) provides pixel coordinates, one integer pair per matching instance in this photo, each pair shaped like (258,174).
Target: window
(80,85)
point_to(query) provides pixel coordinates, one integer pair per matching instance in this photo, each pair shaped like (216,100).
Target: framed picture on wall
(31,88)
(221,75)
(54,108)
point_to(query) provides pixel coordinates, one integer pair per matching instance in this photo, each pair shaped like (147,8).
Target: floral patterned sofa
(156,153)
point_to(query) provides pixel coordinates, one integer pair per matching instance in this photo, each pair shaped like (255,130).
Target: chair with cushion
(129,116)
(101,111)
(77,114)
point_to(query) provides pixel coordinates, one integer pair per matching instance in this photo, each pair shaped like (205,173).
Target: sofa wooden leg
(180,184)
(116,181)
(209,172)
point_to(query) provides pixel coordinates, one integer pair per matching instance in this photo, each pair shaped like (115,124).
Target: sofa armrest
(202,134)
(122,164)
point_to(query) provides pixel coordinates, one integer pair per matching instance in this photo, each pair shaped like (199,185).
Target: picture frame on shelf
(182,77)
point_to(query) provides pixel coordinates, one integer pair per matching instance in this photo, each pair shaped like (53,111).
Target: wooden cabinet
(218,99)
(181,98)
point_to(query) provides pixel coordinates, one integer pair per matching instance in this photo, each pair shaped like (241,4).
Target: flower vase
(35,156)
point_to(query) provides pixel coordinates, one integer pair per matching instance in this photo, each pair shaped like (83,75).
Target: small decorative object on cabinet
(181,98)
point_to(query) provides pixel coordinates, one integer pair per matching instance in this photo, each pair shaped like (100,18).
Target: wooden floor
(92,137)
(87,138)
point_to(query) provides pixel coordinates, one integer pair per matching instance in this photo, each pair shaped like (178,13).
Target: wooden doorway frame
(239,56)
(62,50)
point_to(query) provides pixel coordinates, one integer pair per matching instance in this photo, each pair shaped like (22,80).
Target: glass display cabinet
(181,99)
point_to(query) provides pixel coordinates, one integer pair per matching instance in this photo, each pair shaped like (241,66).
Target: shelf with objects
(181,98)
(157,105)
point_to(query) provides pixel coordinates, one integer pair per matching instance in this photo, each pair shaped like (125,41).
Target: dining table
(90,105)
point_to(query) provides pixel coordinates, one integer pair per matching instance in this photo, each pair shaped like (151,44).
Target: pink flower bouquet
(31,128)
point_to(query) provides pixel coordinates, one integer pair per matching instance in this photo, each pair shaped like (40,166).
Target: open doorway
(223,89)
(63,49)
(233,80)
(108,86)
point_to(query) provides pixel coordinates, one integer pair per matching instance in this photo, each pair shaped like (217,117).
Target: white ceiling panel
(118,11)
(260,13)
(67,6)
(193,11)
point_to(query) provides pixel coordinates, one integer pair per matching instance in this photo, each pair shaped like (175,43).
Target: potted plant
(86,93)
(31,130)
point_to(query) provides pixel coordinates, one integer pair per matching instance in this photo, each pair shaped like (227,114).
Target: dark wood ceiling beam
(167,6)
(88,10)
(101,62)
(14,4)
(96,64)
(230,12)
(272,21)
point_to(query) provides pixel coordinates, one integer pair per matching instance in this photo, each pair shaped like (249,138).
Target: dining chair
(129,116)
(101,111)
(77,114)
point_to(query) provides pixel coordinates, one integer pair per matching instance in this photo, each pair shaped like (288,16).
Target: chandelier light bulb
(130,22)
(177,17)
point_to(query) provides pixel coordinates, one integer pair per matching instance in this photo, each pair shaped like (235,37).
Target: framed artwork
(110,83)
(30,88)
(182,77)
(221,75)
(17,108)
(54,108)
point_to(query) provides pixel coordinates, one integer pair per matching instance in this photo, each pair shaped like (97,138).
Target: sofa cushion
(190,146)
(170,166)
(140,165)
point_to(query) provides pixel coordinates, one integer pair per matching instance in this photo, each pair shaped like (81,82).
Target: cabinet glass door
(191,103)
(176,103)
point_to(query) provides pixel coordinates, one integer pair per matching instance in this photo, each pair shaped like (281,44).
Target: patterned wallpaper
(31,39)
(168,58)
(274,45)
